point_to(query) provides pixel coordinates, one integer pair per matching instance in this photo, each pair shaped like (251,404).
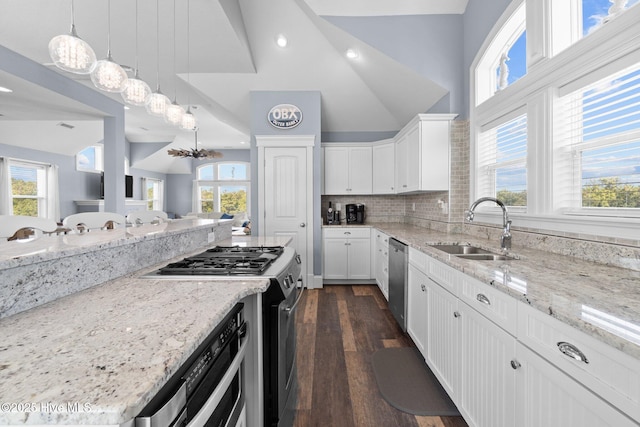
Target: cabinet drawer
(446,276)
(497,306)
(347,232)
(613,375)
(419,259)
(381,238)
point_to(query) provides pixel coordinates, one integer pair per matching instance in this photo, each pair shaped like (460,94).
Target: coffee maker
(355,213)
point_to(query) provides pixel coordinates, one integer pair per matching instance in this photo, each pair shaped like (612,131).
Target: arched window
(505,59)
(223,187)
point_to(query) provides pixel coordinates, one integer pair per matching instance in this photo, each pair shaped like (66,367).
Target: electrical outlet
(211,237)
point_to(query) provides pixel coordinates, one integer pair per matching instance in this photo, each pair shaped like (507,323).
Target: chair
(146,217)
(10,225)
(86,221)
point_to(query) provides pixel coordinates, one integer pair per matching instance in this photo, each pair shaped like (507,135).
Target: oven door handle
(214,400)
(289,310)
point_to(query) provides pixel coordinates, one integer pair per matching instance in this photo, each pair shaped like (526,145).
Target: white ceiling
(231,51)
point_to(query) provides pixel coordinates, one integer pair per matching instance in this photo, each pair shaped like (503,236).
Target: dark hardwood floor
(339,329)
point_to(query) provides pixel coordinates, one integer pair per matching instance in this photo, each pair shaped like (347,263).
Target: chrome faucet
(505,238)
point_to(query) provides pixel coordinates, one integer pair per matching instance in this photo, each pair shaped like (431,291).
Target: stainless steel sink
(460,249)
(485,257)
(472,252)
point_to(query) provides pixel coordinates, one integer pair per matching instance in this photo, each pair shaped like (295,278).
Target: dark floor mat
(407,383)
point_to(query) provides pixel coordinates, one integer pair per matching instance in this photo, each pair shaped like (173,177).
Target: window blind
(501,160)
(597,144)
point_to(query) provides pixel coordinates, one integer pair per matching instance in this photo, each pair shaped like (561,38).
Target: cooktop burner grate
(226,260)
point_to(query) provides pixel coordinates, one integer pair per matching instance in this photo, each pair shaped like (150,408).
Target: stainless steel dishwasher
(398,281)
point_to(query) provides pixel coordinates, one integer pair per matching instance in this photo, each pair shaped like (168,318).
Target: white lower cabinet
(487,381)
(417,301)
(502,362)
(546,396)
(347,253)
(380,258)
(443,336)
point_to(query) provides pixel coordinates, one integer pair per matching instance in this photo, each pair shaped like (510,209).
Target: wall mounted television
(128,186)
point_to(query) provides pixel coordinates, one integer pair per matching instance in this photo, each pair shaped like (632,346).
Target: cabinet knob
(515,364)
(303,225)
(423,287)
(456,314)
(404,185)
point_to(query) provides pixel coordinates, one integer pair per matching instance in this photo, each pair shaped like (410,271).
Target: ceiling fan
(195,152)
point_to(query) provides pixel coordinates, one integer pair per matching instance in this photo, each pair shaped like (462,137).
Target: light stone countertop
(110,348)
(560,286)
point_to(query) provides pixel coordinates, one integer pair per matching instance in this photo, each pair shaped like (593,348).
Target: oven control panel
(200,367)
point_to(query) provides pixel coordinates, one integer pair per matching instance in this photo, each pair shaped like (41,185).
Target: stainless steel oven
(283,268)
(207,389)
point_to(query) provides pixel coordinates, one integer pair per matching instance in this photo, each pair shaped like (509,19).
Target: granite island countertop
(562,286)
(99,355)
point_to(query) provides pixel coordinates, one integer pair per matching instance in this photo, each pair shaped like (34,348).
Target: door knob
(302,224)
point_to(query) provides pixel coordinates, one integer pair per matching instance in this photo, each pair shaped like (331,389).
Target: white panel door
(359,259)
(285,197)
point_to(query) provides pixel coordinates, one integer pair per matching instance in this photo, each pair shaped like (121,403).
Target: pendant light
(175,111)
(136,91)
(70,53)
(158,102)
(189,121)
(108,75)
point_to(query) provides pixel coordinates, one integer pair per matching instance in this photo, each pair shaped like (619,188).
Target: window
(596,13)
(501,162)
(597,143)
(29,188)
(223,187)
(155,194)
(90,159)
(504,60)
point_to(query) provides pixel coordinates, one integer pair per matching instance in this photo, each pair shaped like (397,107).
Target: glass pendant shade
(109,76)
(189,121)
(136,91)
(70,53)
(174,114)
(157,104)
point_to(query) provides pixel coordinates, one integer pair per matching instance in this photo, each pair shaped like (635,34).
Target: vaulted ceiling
(212,59)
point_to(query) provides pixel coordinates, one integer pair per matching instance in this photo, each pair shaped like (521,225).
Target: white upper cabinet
(348,170)
(422,154)
(384,167)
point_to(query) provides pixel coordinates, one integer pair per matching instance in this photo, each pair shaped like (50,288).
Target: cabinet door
(359,259)
(417,308)
(487,381)
(401,165)
(384,168)
(381,262)
(413,160)
(360,172)
(335,258)
(434,168)
(443,322)
(336,170)
(546,396)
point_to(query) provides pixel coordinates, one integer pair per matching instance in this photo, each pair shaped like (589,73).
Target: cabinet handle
(572,351)
(423,287)
(404,185)
(347,244)
(483,299)
(515,364)
(347,232)
(456,314)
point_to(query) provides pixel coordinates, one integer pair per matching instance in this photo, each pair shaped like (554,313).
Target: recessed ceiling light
(352,54)
(281,40)
(243,142)
(5,89)
(126,107)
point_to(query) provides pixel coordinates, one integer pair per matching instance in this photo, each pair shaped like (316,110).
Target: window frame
(41,184)
(590,58)
(216,182)
(157,203)
(98,160)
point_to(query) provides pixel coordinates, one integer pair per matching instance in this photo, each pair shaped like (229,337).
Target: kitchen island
(98,355)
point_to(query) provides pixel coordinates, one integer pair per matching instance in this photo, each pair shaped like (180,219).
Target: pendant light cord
(175,80)
(189,53)
(136,72)
(109,30)
(158,44)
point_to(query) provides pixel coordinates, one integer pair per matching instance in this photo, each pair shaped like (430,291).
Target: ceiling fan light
(136,91)
(109,76)
(157,104)
(174,114)
(189,121)
(70,53)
